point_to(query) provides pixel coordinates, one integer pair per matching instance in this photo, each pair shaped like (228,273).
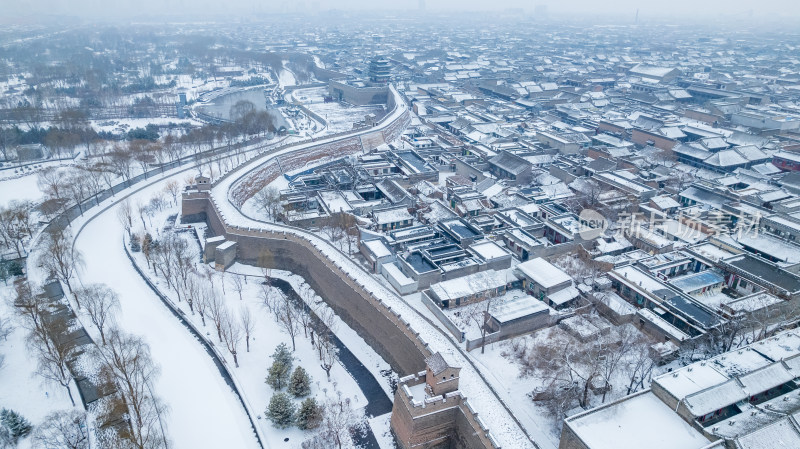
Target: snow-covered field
(341,118)
(20,189)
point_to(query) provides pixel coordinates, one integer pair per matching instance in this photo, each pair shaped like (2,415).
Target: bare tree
(55,351)
(217,312)
(78,188)
(289,318)
(122,161)
(191,292)
(767,318)
(183,259)
(478,313)
(238,284)
(329,354)
(173,188)
(325,326)
(31,307)
(343,225)
(101,304)
(94,179)
(269,201)
(231,335)
(65,429)
(340,420)
(566,368)
(125,215)
(126,361)
(52,183)
(306,316)
(141,208)
(638,365)
(211,274)
(174,259)
(613,356)
(247,324)
(59,257)
(270,299)
(16,225)
(202,301)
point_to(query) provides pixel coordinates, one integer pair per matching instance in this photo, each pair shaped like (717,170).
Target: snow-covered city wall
(388,333)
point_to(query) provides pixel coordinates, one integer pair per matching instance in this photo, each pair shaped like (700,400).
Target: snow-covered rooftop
(519,307)
(543,272)
(635,422)
(470,285)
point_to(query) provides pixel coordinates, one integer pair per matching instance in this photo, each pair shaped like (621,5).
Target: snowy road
(204,411)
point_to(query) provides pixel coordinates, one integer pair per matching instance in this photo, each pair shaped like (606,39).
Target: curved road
(203,410)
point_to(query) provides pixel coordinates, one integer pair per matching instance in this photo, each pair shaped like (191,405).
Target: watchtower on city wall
(422,420)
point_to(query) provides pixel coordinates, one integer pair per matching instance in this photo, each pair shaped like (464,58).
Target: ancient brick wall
(389,335)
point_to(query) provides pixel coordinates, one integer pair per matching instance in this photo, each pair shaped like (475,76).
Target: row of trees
(318,324)
(172,259)
(72,130)
(119,162)
(124,364)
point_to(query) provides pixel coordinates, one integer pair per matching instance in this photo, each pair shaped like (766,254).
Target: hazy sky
(647,8)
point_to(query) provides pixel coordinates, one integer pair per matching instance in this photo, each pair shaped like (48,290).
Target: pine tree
(283,355)
(16,424)
(310,414)
(278,375)
(281,367)
(300,383)
(281,410)
(6,440)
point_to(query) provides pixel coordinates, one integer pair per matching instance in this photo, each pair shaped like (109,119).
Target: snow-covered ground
(340,118)
(203,410)
(310,95)
(20,189)
(21,389)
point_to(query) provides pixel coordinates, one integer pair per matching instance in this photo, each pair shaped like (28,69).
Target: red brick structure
(430,413)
